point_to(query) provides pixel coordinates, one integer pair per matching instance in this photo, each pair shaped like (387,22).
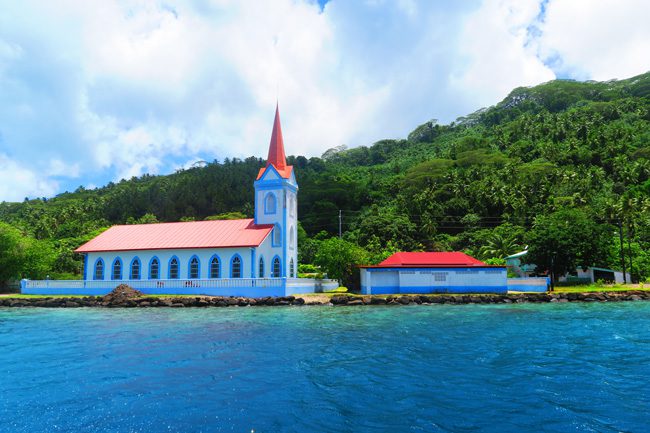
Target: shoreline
(324,299)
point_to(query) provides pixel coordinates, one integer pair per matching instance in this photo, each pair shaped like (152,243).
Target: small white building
(432,272)
(516,263)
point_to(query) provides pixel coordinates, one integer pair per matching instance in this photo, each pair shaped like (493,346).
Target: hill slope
(559,145)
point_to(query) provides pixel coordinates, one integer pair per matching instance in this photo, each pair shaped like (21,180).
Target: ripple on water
(553,368)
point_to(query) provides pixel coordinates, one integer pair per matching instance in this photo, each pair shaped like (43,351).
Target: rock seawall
(514,298)
(337,300)
(149,301)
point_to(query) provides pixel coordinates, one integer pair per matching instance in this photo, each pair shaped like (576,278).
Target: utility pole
(629,248)
(620,237)
(340,223)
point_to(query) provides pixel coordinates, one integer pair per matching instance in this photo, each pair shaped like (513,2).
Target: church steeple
(276,203)
(277,157)
(276,147)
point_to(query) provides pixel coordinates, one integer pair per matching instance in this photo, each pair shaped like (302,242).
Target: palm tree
(500,245)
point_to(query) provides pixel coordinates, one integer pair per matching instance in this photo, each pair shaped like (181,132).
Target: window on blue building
(276,268)
(117,269)
(173,269)
(269,203)
(215,268)
(99,270)
(135,269)
(235,267)
(277,236)
(194,267)
(154,269)
(261,268)
(292,238)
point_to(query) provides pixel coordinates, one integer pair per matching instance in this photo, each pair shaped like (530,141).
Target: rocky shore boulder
(121,294)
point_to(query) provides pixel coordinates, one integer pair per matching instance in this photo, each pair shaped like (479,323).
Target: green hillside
(561,167)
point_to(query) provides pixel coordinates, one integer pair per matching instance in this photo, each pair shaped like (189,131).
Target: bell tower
(276,202)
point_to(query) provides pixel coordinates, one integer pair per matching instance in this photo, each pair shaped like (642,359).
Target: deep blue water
(522,368)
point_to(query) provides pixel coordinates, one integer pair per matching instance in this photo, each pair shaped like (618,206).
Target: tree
(565,240)
(502,242)
(340,259)
(147,218)
(226,216)
(12,253)
(38,260)
(23,256)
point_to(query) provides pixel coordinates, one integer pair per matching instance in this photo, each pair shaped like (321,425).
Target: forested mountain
(568,156)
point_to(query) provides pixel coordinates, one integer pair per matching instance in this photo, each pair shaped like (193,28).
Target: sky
(97,91)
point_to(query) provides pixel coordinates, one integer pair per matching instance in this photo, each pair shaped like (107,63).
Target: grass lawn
(602,288)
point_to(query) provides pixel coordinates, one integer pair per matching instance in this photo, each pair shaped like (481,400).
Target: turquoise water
(522,368)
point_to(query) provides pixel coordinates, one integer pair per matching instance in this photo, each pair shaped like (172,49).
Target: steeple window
(270,204)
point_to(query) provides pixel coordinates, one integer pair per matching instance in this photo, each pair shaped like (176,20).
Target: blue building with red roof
(433,272)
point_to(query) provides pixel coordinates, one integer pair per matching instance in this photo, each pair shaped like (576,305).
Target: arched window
(99,270)
(154,269)
(117,269)
(173,269)
(292,205)
(270,203)
(194,267)
(215,267)
(291,268)
(235,267)
(275,271)
(277,236)
(135,269)
(261,268)
(292,238)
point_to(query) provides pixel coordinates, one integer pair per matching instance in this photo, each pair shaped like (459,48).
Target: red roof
(276,156)
(182,235)
(438,259)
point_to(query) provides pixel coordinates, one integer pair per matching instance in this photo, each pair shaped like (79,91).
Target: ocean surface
(468,368)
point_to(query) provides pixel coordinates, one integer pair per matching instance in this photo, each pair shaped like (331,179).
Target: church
(246,257)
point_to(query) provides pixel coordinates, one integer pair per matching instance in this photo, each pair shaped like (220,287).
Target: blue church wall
(247,256)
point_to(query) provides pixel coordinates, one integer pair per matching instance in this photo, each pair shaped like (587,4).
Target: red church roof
(428,259)
(182,235)
(276,156)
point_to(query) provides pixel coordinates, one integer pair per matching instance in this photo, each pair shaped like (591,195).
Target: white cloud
(598,40)
(18,181)
(497,51)
(119,88)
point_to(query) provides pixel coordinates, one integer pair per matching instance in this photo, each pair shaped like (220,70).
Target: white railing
(253,287)
(221,283)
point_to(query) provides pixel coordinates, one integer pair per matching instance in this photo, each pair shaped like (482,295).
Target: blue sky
(92,92)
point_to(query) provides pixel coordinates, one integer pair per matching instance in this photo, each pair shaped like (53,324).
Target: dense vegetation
(563,167)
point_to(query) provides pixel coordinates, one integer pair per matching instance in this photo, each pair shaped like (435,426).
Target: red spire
(276,148)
